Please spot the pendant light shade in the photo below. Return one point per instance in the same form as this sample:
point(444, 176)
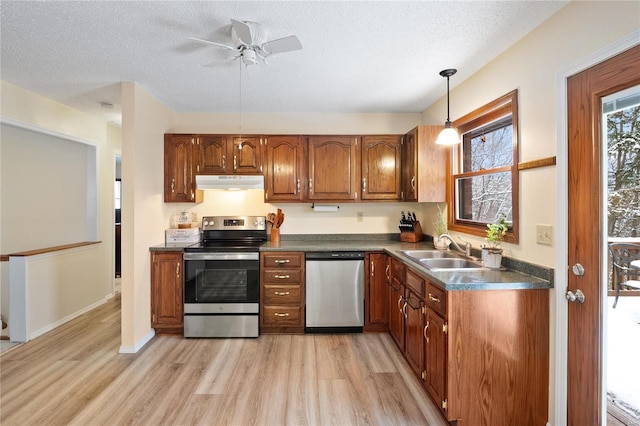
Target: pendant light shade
point(448, 136)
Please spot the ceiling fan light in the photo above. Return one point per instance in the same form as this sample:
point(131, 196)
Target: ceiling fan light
point(448, 136)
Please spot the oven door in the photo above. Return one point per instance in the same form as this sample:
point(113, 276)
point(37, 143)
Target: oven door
point(221, 278)
point(221, 294)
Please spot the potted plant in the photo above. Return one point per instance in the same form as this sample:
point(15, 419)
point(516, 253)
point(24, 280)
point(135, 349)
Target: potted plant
point(492, 254)
point(440, 226)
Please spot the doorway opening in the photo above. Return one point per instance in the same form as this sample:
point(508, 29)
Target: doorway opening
point(117, 203)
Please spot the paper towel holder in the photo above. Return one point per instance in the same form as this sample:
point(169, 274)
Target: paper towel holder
point(325, 207)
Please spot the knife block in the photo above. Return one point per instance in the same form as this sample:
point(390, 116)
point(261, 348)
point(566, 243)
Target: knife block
point(275, 235)
point(412, 236)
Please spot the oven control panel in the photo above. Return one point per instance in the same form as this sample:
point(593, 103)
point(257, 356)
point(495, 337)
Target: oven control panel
point(219, 223)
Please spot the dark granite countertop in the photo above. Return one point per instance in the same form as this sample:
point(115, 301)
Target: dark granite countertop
point(515, 274)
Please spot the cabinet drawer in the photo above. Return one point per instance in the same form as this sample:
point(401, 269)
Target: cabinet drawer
point(282, 260)
point(284, 276)
point(437, 299)
point(281, 295)
point(415, 282)
point(282, 316)
point(397, 270)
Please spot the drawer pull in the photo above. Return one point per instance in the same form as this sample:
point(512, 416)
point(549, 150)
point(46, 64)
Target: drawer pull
point(281, 261)
point(282, 277)
point(278, 314)
point(281, 293)
point(433, 298)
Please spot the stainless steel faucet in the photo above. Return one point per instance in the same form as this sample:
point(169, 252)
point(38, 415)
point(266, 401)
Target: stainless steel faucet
point(467, 245)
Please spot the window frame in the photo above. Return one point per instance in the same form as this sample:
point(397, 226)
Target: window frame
point(484, 116)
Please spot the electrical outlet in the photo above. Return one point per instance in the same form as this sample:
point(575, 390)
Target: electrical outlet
point(544, 234)
point(359, 216)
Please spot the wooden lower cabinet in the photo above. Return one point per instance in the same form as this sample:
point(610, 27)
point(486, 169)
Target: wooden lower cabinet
point(167, 304)
point(376, 308)
point(481, 355)
point(282, 292)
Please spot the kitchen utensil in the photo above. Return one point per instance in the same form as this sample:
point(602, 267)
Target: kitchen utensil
point(271, 217)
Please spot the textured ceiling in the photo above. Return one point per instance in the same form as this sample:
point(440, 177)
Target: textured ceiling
point(357, 56)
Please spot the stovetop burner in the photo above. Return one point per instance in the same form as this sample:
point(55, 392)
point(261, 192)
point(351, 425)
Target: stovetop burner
point(231, 233)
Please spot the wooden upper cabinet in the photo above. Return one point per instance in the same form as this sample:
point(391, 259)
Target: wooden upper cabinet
point(179, 172)
point(424, 165)
point(284, 168)
point(229, 154)
point(247, 154)
point(381, 159)
point(213, 154)
point(333, 168)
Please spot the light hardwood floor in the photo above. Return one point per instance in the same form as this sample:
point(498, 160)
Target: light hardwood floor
point(74, 375)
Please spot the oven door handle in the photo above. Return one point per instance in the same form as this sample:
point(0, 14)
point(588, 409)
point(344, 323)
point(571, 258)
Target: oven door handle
point(222, 256)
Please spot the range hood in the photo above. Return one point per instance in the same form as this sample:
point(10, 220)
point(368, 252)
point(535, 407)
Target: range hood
point(229, 182)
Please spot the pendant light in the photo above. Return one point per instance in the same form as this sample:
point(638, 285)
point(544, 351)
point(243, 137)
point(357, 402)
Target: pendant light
point(449, 135)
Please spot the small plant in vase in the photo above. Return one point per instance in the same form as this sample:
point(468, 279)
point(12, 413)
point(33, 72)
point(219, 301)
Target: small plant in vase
point(440, 226)
point(492, 254)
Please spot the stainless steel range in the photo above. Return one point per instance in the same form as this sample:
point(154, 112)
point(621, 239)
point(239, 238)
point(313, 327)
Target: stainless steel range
point(222, 278)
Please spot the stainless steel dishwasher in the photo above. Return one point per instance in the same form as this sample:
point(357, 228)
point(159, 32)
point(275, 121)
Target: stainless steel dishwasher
point(334, 292)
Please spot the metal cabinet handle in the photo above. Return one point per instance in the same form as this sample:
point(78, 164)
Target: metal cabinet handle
point(235, 163)
point(298, 187)
point(278, 314)
point(282, 277)
point(364, 184)
point(404, 310)
point(224, 161)
point(433, 298)
point(424, 332)
point(311, 185)
point(386, 272)
point(192, 194)
point(280, 261)
point(413, 184)
point(281, 293)
point(372, 268)
point(178, 269)
point(399, 300)
point(173, 185)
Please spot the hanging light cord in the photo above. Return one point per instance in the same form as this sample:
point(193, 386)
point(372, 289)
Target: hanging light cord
point(448, 119)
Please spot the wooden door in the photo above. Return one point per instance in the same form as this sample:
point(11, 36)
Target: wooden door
point(396, 316)
point(333, 168)
point(381, 167)
point(435, 353)
point(166, 291)
point(414, 325)
point(214, 153)
point(377, 292)
point(284, 168)
point(585, 232)
point(247, 154)
point(179, 176)
point(409, 166)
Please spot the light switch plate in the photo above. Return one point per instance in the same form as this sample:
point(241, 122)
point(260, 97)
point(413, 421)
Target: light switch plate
point(544, 234)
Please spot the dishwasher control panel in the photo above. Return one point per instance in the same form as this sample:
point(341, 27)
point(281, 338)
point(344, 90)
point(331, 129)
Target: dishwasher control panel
point(333, 255)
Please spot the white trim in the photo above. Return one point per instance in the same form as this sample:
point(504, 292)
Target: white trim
point(561, 270)
point(69, 317)
point(134, 349)
point(35, 128)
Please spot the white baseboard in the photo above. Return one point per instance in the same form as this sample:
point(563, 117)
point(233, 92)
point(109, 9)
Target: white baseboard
point(68, 318)
point(134, 349)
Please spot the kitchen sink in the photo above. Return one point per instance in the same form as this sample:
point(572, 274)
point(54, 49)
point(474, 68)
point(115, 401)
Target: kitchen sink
point(449, 264)
point(428, 254)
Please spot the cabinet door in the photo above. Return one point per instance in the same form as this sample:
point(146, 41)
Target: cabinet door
point(247, 155)
point(381, 166)
point(167, 305)
point(333, 168)
point(284, 180)
point(213, 154)
point(414, 326)
point(179, 175)
point(377, 292)
point(396, 312)
point(435, 353)
point(424, 165)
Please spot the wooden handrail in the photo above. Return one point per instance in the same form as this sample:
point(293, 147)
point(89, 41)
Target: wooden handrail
point(5, 257)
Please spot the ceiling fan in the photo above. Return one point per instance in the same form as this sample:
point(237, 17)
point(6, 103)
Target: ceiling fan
point(249, 44)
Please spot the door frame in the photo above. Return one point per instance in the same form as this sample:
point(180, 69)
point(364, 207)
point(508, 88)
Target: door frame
point(559, 356)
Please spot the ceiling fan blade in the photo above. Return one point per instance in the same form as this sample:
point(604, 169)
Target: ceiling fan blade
point(243, 31)
point(213, 43)
point(282, 45)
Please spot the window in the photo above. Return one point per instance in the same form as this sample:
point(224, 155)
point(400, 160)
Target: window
point(484, 182)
